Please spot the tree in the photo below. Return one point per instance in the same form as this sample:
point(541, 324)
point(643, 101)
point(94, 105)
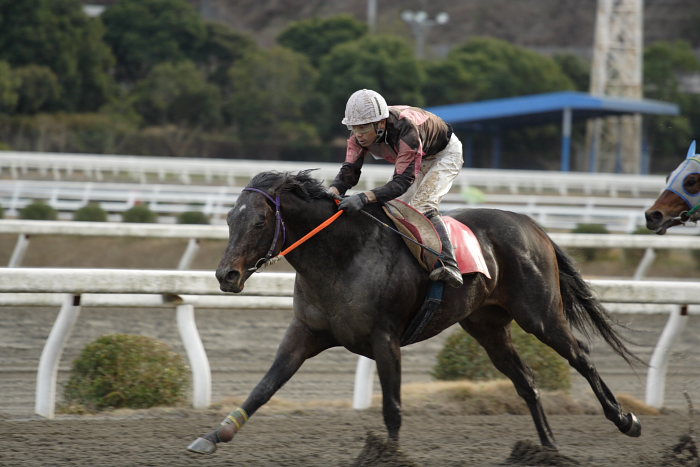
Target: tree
point(222, 48)
point(9, 85)
point(315, 37)
point(268, 95)
point(448, 82)
point(500, 69)
point(178, 93)
point(143, 33)
point(38, 88)
point(58, 35)
point(385, 64)
point(664, 64)
point(577, 69)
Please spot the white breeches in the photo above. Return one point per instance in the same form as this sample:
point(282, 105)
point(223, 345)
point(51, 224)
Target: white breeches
point(435, 178)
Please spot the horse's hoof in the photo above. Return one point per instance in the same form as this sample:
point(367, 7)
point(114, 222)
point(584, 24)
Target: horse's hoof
point(202, 446)
point(635, 428)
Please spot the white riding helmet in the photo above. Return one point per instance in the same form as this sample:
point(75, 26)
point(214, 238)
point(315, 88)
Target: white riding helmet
point(365, 106)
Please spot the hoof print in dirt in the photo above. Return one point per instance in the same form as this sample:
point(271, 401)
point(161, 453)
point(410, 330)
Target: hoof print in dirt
point(683, 454)
point(528, 453)
point(380, 452)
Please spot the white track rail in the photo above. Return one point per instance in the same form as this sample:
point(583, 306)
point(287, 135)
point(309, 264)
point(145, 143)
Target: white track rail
point(183, 290)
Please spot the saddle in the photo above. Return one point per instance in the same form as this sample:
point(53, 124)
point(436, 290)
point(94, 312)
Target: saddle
point(415, 225)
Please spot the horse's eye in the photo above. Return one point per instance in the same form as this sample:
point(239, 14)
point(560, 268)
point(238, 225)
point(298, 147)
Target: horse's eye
point(691, 185)
point(259, 224)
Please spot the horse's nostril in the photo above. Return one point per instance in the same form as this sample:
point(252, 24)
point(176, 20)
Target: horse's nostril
point(231, 276)
point(653, 216)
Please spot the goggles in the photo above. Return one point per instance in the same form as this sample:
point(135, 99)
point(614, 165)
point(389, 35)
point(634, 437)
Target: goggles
point(362, 129)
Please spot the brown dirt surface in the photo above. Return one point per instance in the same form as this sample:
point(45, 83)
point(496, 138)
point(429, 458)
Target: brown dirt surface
point(310, 421)
point(337, 437)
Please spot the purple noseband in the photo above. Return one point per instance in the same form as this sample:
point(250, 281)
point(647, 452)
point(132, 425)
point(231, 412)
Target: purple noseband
point(279, 226)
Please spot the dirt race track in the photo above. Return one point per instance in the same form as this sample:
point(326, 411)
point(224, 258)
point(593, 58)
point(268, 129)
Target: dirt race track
point(310, 422)
point(328, 438)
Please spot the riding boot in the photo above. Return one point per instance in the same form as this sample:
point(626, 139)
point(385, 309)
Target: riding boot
point(447, 269)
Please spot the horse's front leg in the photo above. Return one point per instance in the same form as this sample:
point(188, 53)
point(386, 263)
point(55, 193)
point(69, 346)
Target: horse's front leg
point(387, 355)
point(299, 343)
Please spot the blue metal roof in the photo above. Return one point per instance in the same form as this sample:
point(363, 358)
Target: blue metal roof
point(546, 108)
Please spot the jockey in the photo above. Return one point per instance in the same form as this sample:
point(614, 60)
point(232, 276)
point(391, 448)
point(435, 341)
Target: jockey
point(426, 154)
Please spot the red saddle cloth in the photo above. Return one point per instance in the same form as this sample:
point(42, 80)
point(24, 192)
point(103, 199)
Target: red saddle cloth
point(414, 224)
point(467, 248)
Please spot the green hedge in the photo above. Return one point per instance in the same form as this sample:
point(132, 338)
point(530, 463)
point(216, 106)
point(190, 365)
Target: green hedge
point(140, 214)
point(92, 212)
point(38, 211)
point(126, 371)
point(192, 217)
point(462, 357)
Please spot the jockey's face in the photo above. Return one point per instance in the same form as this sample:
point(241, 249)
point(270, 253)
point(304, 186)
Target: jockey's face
point(365, 134)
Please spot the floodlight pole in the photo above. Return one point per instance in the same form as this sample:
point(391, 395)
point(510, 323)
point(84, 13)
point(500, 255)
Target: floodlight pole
point(421, 24)
point(372, 16)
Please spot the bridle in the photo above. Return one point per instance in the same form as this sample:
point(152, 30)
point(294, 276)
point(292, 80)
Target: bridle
point(279, 227)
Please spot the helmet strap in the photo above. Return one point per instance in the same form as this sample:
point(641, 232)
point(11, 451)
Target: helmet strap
point(380, 129)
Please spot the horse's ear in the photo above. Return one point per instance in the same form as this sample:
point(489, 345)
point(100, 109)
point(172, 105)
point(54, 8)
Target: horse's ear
point(691, 150)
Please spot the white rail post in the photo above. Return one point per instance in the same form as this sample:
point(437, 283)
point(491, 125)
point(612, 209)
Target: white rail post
point(656, 377)
point(644, 264)
point(188, 255)
point(47, 373)
point(197, 356)
point(364, 377)
point(19, 251)
point(201, 374)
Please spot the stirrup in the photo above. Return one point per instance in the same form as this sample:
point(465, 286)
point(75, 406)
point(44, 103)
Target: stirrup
point(452, 277)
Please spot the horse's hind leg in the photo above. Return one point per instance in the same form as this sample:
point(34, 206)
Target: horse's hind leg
point(554, 331)
point(298, 344)
point(489, 326)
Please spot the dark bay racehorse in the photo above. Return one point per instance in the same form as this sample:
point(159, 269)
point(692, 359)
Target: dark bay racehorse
point(679, 202)
point(358, 286)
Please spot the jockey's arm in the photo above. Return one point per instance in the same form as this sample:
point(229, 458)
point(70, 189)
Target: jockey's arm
point(350, 171)
point(408, 155)
point(347, 177)
point(395, 187)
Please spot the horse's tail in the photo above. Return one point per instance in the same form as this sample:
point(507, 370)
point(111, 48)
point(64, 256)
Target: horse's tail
point(583, 310)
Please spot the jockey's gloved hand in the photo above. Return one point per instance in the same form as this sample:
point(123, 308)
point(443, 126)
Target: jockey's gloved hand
point(353, 203)
point(333, 192)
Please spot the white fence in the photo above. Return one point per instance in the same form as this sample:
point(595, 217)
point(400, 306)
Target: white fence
point(553, 211)
point(233, 172)
point(186, 289)
point(25, 229)
point(170, 186)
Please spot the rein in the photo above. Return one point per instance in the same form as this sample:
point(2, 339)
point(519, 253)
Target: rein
point(269, 260)
point(425, 247)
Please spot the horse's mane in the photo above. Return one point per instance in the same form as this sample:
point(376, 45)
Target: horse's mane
point(302, 184)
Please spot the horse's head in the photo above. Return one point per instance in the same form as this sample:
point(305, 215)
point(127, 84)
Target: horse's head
point(251, 227)
point(680, 200)
point(257, 231)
